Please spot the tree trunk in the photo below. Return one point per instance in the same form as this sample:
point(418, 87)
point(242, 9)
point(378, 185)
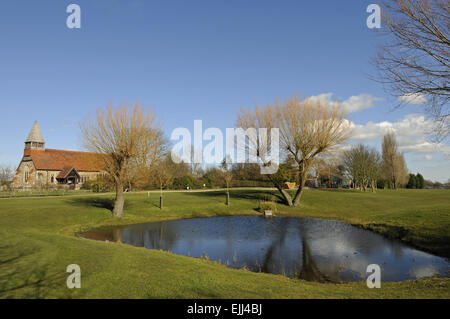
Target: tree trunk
point(298, 196)
point(161, 198)
point(118, 204)
point(287, 198)
point(301, 185)
point(228, 198)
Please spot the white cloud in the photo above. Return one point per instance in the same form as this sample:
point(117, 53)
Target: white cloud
point(360, 102)
point(423, 158)
point(354, 103)
point(411, 132)
point(441, 164)
point(413, 98)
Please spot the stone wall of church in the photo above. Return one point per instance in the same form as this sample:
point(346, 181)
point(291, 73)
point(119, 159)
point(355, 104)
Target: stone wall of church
point(27, 177)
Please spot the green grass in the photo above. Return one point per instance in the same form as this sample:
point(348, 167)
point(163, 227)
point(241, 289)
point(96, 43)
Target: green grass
point(36, 193)
point(37, 243)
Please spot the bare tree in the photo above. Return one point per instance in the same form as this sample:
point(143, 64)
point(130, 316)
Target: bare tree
point(402, 171)
point(394, 166)
point(163, 174)
point(325, 164)
point(227, 175)
point(374, 163)
point(349, 161)
point(414, 61)
point(362, 164)
point(6, 175)
point(127, 138)
point(196, 168)
point(307, 128)
point(146, 177)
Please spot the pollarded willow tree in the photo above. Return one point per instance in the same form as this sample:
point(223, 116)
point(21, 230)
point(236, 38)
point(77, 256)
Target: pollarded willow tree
point(307, 128)
point(127, 138)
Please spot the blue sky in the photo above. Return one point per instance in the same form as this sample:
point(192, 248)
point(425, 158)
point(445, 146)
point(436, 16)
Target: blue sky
point(194, 60)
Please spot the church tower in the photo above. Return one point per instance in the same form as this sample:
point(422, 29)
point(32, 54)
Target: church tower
point(35, 141)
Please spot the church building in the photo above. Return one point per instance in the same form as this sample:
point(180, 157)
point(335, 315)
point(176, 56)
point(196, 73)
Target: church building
point(41, 167)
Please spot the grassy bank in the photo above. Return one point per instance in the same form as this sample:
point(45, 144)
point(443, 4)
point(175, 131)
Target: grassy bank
point(38, 193)
point(37, 242)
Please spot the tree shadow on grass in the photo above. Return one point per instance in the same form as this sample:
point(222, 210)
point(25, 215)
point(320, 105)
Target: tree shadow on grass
point(102, 202)
point(21, 275)
point(99, 202)
point(250, 194)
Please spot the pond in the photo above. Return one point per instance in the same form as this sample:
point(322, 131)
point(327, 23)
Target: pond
point(307, 248)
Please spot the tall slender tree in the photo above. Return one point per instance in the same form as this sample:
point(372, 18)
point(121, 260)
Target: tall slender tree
point(394, 165)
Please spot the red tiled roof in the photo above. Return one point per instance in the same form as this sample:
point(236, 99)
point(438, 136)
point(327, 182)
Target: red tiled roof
point(66, 171)
point(58, 160)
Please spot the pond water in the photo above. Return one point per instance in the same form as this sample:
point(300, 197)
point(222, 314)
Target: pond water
point(307, 248)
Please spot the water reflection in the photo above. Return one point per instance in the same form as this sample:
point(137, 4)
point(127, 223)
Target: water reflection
point(306, 248)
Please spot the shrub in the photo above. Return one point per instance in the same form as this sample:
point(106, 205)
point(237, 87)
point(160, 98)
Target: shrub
point(264, 205)
point(87, 185)
point(186, 181)
point(420, 181)
point(412, 183)
point(96, 186)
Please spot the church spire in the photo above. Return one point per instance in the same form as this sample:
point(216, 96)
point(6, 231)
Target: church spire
point(35, 139)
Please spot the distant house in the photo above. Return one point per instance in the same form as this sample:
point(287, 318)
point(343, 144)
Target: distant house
point(312, 182)
point(337, 181)
point(324, 181)
point(54, 168)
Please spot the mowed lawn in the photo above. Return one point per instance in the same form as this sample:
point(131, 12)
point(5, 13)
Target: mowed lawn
point(37, 242)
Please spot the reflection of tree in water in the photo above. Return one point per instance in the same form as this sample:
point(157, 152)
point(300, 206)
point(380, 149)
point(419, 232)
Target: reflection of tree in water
point(161, 237)
point(309, 270)
point(117, 235)
point(156, 237)
point(396, 249)
point(228, 240)
point(268, 261)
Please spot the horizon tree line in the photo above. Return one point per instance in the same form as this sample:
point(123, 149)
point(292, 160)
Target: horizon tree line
point(366, 166)
point(135, 151)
